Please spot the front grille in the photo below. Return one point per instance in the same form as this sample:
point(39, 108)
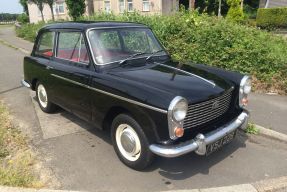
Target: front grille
point(201, 113)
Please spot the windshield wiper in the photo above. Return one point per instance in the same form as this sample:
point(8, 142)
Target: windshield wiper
point(154, 53)
point(130, 57)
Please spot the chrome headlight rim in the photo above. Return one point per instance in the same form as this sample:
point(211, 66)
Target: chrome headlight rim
point(245, 81)
point(244, 89)
point(173, 122)
point(173, 106)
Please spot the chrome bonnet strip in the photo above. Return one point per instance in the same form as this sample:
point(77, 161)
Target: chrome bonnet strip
point(188, 73)
point(111, 94)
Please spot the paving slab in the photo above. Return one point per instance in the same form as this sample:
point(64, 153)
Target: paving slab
point(269, 111)
point(8, 34)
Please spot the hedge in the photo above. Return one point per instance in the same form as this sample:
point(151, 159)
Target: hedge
point(272, 17)
point(188, 36)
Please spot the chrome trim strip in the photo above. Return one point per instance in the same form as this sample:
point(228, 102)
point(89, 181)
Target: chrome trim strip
point(198, 144)
point(188, 73)
point(112, 95)
point(25, 83)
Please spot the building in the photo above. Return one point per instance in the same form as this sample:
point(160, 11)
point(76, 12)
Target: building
point(272, 3)
point(109, 6)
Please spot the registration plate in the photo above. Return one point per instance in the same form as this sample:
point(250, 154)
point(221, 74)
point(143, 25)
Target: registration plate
point(219, 143)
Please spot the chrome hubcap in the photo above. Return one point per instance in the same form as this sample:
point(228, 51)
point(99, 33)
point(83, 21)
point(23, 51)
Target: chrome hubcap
point(42, 96)
point(128, 142)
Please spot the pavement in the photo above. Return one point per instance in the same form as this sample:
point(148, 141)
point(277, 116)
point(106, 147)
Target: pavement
point(82, 157)
point(269, 111)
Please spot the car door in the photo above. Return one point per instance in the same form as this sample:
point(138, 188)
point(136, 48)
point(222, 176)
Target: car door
point(72, 70)
point(41, 57)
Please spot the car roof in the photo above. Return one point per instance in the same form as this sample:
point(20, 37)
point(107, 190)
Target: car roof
point(83, 25)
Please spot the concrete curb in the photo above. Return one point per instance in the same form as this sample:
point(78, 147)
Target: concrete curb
point(269, 185)
point(271, 134)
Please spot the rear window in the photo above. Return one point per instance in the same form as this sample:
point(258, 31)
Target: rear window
point(46, 44)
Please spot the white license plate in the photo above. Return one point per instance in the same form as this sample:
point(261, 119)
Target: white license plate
point(220, 143)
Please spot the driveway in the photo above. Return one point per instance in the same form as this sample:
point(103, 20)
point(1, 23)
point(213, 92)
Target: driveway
point(82, 157)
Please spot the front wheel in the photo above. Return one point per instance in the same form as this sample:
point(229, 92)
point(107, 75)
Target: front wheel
point(130, 142)
point(43, 99)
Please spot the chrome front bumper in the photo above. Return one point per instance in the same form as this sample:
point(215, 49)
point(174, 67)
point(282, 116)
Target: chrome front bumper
point(25, 83)
point(198, 144)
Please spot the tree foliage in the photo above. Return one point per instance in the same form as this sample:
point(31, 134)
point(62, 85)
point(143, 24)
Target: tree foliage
point(76, 8)
point(8, 17)
point(24, 4)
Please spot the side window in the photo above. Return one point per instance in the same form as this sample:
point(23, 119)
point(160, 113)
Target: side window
point(71, 46)
point(46, 44)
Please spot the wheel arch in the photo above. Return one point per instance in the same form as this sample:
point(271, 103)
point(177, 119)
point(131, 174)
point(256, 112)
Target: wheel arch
point(140, 115)
point(34, 83)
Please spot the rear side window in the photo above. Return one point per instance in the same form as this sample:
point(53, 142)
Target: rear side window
point(46, 44)
point(71, 46)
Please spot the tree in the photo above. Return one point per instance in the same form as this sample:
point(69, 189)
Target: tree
point(76, 8)
point(24, 4)
point(40, 5)
point(51, 3)
point(235, 12)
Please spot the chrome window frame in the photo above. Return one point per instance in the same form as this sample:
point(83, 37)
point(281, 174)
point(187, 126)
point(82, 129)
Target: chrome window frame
point(56, 46)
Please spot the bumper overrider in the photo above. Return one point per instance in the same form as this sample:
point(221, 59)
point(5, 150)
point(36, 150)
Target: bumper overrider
point(199, 143)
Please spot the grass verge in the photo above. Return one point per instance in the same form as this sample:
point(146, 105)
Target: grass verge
point(252, 129)
point(16, 158)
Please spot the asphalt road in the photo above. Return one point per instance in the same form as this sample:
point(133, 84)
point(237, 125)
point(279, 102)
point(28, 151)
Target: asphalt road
point(82, 157)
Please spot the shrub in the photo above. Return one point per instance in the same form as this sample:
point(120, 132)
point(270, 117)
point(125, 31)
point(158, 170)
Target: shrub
point(23, 18)
point(76, 8)
point(235, 13)
point(29, 31)
point(272, 18)
point(188, 36)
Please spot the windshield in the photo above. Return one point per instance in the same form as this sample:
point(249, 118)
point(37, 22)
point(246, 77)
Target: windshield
point(110, 45)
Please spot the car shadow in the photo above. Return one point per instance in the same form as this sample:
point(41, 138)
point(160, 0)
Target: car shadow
point(191, 164)
point(178, 168)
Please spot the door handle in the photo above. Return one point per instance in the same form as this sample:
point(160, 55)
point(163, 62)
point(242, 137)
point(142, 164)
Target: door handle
point(49, 67)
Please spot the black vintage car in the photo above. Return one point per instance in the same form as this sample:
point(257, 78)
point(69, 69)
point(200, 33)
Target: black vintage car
point(117, 76)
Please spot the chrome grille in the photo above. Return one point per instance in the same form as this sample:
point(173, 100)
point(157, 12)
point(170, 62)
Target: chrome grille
point(206, 111)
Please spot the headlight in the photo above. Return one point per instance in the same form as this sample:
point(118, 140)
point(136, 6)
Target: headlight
point(179, 110)
point(244, 90)
point(176, 113)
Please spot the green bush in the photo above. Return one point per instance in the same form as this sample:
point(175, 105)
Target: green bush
point(23, 18)
point(188, 36)
point(29, 31)
point(272, 18)
point(235, 13)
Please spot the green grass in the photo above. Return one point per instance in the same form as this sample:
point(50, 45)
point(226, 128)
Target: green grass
point(16, 158)
point(252, 129)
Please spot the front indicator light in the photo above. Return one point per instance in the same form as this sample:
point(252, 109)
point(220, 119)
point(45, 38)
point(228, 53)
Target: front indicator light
point(244, 101)
point(179, 131)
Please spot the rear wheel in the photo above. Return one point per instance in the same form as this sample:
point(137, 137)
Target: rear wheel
point(43, 99)
point(130, 142)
